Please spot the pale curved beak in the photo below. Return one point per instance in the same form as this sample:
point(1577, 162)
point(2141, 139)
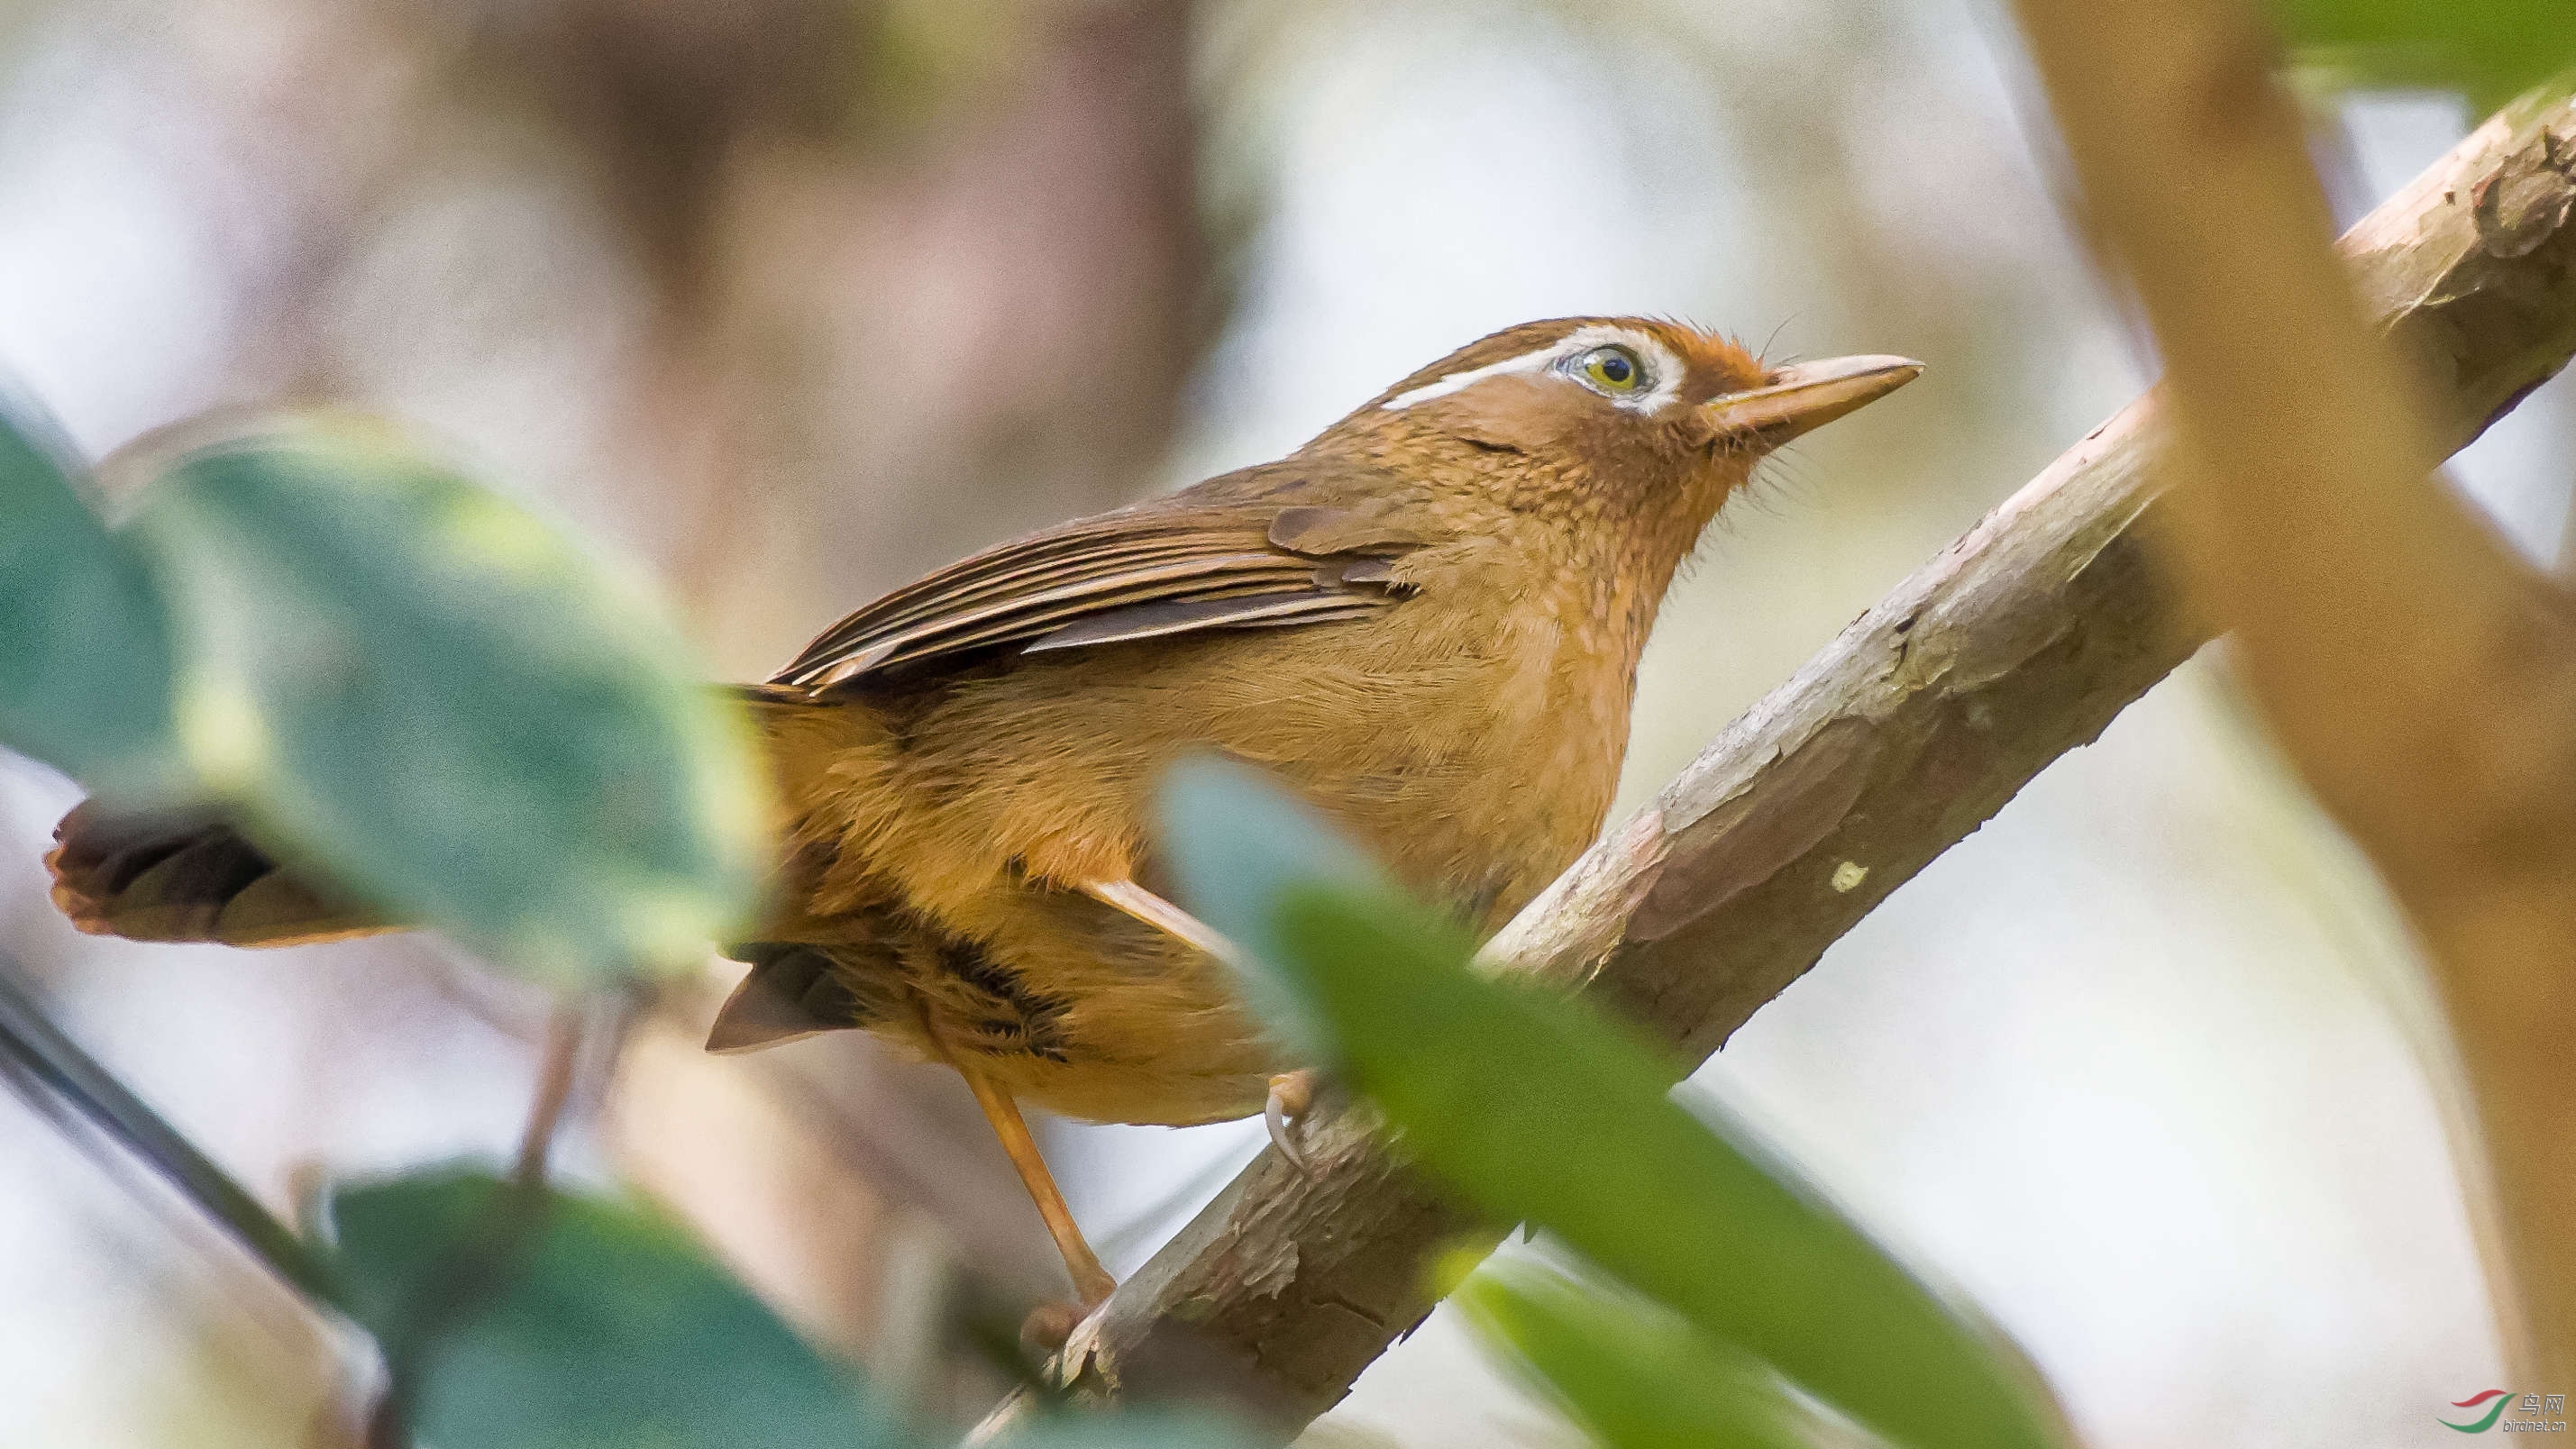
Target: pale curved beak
point(1804, 397)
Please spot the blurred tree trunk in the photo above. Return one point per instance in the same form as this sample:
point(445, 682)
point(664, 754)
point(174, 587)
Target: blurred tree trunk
point(2420, 674)
point(922, 279)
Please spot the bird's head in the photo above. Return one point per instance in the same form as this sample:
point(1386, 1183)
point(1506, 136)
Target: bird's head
point(1643, 416)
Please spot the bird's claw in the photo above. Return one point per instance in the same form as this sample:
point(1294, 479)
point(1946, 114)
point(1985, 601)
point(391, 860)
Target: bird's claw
point(1292, 1094)
point(1049, 1326)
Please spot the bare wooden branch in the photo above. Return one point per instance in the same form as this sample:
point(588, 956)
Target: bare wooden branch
point(2018, 643)
point(2418, 672)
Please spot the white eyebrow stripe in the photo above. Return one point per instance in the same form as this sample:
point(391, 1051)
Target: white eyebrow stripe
point(1538, 361)
point(1667, 369)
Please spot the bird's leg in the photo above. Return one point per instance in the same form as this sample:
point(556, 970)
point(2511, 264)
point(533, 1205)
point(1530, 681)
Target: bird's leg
point(1291, 1093)
point(1091, 1282)
point(1162, 915)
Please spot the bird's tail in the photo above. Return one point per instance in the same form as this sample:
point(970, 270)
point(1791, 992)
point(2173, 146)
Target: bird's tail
point(190, 876)
point(187, 876)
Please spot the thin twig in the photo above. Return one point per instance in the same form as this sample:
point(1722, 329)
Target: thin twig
point(555, 1071)
point(54, 1072)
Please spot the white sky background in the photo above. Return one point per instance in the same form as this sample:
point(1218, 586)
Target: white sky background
point(2130, 1065)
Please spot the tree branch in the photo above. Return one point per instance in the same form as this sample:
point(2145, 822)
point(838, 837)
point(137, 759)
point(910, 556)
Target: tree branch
point(62, 1080)
point(2420, 674)
point(2018, 643)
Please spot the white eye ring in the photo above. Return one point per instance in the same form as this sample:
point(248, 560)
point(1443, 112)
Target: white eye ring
point(1612, 369)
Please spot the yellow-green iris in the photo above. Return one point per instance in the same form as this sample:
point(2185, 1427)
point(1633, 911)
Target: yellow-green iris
point(1612, 369)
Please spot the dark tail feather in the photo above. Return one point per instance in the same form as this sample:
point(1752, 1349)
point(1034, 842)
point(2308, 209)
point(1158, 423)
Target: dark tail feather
point(792, 991)
point(187, 877)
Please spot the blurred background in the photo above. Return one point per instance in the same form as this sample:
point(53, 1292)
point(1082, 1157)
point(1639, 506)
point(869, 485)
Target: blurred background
point(790, 300)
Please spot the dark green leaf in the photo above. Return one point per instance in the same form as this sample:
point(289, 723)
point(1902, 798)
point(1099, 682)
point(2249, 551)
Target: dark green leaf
point(2487, 48)
point(1539, 1111)
point(85, 661)
point(584, 1324)
point(422, 690)
point(1634, 1375)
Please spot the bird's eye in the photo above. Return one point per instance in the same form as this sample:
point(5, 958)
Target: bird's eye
point(1613, 369)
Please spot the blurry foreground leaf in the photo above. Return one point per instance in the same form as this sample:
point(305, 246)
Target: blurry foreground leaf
point(84, 640)
point(2489, 49)
point(1232, 870)
point(586, 1324)
point(1539, 1111)
point(412, 682)
point(1633, 1375)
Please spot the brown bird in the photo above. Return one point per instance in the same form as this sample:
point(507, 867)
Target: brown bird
point(1427, 620)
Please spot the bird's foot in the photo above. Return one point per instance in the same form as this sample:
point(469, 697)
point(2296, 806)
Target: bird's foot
point(1292, 1095)
point(1050, 1326)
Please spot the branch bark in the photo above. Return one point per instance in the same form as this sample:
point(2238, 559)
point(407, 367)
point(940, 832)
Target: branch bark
point(2018, 643)
point(2420, 674)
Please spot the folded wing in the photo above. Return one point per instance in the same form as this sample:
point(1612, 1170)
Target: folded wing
point(1172, 566)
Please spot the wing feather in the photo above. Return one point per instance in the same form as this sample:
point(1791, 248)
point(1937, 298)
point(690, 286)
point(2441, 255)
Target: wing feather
point(1179, 616)
point(1032, 622)
point(1170, 566)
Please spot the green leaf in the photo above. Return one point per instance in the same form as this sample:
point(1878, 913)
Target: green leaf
point(1634, 1375)
point(85, 659)
point(2487, 48)
point(1537, 1110)
point(419, 688)
point(1233, 876)
point(584, 1323)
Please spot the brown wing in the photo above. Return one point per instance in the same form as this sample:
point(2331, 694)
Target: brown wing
point(1196, 560)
